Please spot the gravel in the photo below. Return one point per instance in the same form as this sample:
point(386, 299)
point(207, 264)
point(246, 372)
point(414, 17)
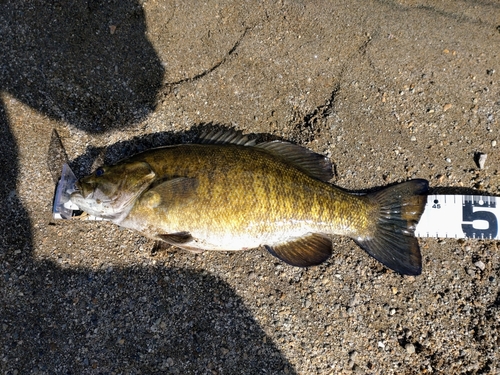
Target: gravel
point(389, 90)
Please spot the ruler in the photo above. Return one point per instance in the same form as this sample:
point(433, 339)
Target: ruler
point(460, 216)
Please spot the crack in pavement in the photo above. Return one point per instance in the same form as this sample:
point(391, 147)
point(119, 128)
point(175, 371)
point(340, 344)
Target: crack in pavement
point(310, 124)
point(323, 111)
point(458, 17)
point(167, 87)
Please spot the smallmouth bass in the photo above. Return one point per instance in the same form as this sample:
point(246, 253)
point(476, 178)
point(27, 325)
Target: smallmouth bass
point(229, 193)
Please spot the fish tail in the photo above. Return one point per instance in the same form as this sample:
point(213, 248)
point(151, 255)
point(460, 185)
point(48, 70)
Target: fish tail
point(393, 242)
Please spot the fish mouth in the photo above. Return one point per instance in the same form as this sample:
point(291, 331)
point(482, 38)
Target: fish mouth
point(87, 201)
point(90, 192)
point(76, 197)
point(83, 189)
point(75, 193)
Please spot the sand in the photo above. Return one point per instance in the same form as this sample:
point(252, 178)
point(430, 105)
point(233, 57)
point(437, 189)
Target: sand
point(388, 90)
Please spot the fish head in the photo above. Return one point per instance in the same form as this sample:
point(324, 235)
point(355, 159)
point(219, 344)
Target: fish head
point(111, 191)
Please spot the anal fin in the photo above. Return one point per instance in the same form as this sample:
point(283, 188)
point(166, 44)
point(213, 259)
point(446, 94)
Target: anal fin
point(306, 251)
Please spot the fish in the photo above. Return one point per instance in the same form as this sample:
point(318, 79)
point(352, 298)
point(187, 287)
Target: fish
point(228, 192)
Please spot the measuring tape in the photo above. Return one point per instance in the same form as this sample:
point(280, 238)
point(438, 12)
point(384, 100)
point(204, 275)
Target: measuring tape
point(460, 216)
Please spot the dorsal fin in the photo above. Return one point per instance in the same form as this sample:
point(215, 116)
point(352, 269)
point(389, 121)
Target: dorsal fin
point(313, 164)
point(225, 137)
point(309, 162)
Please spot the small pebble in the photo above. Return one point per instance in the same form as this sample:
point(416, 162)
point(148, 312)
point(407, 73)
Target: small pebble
point(493, 143)
point(410, 348)
point(448, 160)
point(480, 265)
point(413, 138)
point(447, 106)
point(481, 160)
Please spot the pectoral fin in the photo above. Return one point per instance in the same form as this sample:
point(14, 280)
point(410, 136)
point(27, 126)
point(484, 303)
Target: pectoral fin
point(176, 188)
point(174, 191)
point(310, 250)
point(176, 239)
point(181, 240)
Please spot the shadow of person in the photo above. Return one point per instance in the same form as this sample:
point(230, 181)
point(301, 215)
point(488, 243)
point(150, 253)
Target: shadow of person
point(185, 322)
point(87, 63)
point(90, 65)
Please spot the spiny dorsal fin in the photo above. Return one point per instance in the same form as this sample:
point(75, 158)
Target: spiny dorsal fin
point(310, 250)
point(225, 137)
point(313, 164)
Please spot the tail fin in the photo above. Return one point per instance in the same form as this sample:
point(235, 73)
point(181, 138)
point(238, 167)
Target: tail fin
point(393, 243)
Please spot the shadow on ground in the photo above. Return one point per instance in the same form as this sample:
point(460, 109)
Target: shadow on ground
point(87, 63)
point(131, 320)
point(90, 65)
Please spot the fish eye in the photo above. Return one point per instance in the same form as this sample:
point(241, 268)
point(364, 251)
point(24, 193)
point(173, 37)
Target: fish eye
point(99, 172)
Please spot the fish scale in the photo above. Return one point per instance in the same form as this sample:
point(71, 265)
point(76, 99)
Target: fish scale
point(227, 204)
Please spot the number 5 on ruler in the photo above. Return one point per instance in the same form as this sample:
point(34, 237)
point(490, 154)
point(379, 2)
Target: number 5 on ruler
point(474, 216)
